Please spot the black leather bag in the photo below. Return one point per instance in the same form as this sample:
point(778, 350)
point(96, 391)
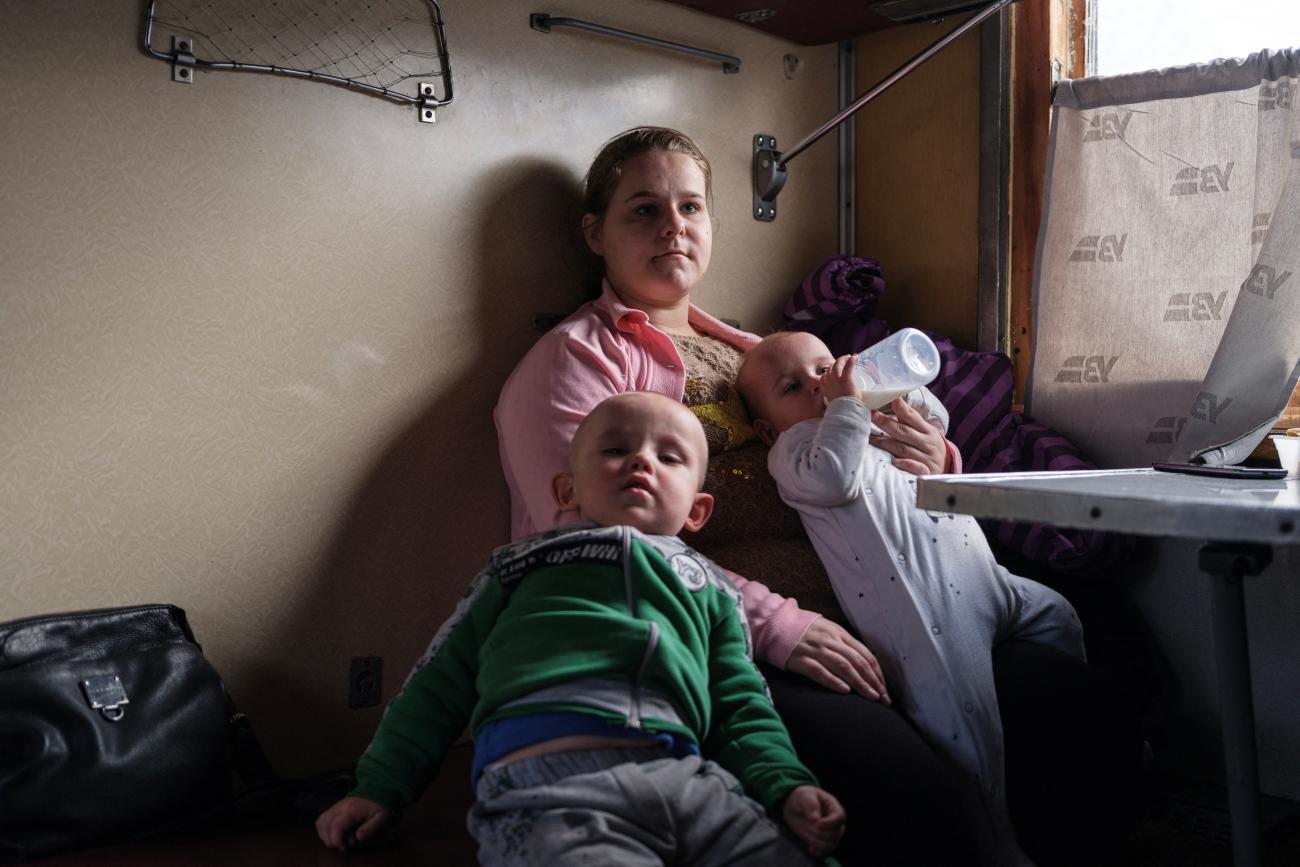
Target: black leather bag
point(112, 725)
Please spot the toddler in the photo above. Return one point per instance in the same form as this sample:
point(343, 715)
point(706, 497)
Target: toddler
point(594, 663)
point(922, 588)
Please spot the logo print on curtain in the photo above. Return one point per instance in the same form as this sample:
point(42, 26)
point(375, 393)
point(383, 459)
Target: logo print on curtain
point(1096, 248)
point(1275, 95)
point(1087, 368)
point(1108, 126)
point(1210, 179)
point(1167, 430)
point(1264, 281)
point(1195, 307)
point(1259, 228)
point(1209, 406)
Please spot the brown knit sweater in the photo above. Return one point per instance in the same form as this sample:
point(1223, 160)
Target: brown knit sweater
point(752, 532)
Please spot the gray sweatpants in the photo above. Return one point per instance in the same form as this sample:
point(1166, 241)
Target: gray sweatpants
point(628, 807)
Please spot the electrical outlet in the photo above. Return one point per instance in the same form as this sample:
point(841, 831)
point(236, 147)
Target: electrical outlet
point(365, 681)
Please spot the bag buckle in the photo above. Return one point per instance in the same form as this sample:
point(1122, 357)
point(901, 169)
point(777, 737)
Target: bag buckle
point(105, 694)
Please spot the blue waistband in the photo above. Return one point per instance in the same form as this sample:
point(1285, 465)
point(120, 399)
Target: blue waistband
point(504, 736)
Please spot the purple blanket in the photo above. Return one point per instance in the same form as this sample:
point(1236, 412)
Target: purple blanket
point(837, 302)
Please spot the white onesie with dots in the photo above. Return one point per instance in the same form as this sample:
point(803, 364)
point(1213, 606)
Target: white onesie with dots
point(924, 593)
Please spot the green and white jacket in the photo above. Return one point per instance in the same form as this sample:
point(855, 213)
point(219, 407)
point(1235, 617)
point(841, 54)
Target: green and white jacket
point(636, 629)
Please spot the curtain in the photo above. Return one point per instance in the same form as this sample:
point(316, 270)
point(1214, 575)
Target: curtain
point(1167, 284)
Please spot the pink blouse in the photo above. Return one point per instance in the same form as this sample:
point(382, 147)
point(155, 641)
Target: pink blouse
point(606, 348)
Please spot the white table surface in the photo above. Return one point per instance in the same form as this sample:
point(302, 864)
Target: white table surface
point(1154, 503)
point(1142, 501)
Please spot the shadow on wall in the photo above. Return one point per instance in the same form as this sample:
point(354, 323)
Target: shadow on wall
point(434, 504)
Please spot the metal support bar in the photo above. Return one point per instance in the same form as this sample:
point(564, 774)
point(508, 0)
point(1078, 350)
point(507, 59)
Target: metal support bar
point(1227, 565)
point(993, 267)
point(893, 77)
point(783, 159)
point(848, 154)
point(542, 23)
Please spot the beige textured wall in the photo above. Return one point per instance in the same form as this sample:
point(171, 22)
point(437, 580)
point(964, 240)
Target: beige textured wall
point(918, 178)
point(252, 329)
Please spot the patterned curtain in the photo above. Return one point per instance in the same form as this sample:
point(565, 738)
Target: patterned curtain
point(1167, 289)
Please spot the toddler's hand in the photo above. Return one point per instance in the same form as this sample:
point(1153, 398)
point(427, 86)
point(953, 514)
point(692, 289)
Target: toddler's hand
point(816, 817)
point(364, 815)
point(838, 380)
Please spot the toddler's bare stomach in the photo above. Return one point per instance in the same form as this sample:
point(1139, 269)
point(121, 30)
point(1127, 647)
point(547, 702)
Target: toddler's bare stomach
point(569, 743)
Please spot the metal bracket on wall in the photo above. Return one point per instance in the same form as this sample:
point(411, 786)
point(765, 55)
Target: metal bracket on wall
point(542, 23)
point(769, 177)
point(428, 99)
point(182, 60)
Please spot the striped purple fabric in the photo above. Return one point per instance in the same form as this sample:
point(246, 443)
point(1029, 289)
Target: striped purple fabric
point(843, 284)
point(837, 302)
point(975, 387)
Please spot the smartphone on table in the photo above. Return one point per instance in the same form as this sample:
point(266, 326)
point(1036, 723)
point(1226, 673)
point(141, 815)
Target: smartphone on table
point(1228, 472)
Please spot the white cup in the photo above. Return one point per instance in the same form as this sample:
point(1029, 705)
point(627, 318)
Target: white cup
point(1288, 454)
point(904, 360)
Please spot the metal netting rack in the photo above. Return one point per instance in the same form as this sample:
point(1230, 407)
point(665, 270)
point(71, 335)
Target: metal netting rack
point(380, 47)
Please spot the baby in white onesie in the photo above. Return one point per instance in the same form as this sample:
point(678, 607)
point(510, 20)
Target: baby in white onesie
point(922, 588)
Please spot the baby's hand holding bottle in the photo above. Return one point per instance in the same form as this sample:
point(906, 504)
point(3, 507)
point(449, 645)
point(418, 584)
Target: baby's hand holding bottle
point(838, 380)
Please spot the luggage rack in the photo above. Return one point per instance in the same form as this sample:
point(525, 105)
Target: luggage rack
point(284, 47)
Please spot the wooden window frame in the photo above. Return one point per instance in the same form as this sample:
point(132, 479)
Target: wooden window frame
point(1048, 40)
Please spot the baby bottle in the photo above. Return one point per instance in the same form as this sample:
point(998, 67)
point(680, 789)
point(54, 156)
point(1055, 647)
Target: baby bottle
point(904, 360)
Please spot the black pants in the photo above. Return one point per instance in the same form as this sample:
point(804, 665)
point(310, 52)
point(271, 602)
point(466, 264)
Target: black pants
point(1073, 756)
point(901, 799)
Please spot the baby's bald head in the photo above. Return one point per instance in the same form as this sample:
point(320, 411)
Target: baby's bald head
point(638, 459)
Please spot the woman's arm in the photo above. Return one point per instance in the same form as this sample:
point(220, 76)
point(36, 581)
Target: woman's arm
point(776, 623)
point(808, 644)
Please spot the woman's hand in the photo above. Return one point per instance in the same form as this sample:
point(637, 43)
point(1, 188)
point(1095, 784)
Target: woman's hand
point(917, 446)
point(816, 818)
point(829, 655)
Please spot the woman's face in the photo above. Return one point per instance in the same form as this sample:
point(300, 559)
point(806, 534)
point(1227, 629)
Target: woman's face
point(655, 236)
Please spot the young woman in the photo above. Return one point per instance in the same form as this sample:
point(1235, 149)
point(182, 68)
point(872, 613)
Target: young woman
point(647, 202)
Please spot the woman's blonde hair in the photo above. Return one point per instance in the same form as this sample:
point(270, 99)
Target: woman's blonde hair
point(607, 167)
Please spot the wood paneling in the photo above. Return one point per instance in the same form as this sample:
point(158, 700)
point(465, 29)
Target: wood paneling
point(918, 178)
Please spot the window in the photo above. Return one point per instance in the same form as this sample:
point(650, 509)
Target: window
point(1136, 35)
point(1073, 38)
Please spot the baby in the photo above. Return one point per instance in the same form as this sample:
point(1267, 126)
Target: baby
point(594, 663)
point(921, 588)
